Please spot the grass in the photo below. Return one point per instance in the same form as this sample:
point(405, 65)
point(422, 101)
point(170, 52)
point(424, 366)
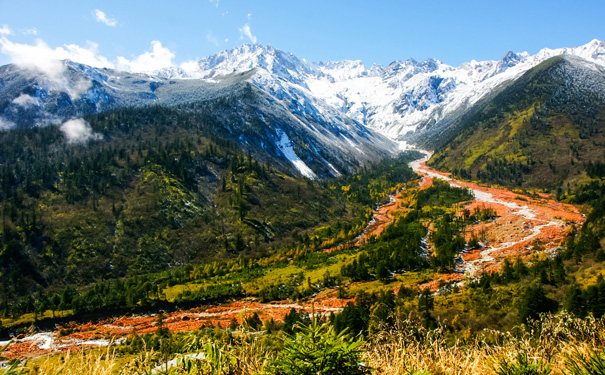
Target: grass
point(171, 293)
point(554, 345)
point(29, 318)
point(276, 275)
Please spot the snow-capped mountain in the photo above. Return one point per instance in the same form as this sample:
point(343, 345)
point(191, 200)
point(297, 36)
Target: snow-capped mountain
point(397, 99)
point(340, 106)
point(282, 121)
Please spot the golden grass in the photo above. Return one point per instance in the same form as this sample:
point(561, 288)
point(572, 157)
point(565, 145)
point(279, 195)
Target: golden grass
point(553, 339)
point(405, 348)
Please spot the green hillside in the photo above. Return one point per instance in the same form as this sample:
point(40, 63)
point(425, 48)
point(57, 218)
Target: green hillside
point(160, 190)
point(542, 131)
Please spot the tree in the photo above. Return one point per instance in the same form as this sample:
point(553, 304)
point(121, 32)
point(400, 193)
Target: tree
point(425, 306)
point(382, 272)
point(254, 322)
point(534, 302)
point(161, 329)
point(318, 349)
point(574, 302)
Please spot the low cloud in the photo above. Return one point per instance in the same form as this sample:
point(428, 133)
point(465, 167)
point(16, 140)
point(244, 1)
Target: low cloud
point(102, 17)
point(25, 100)
point(214, 2)
point(39, 57)
point(6, 124)
point(245, 31)
point(47, 60)
point(160, 57)
point(32, 31)
point(78, 131)
point(190, 66)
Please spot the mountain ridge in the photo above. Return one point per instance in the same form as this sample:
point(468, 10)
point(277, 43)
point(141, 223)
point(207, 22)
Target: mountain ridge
point(542, 130)
point(398, 98)
point(402, 100)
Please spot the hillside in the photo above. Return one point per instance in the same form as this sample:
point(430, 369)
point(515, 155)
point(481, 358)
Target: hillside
point(541, 131)
point(151, 189)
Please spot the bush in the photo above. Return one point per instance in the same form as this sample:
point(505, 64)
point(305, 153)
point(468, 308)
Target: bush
point(317, 349)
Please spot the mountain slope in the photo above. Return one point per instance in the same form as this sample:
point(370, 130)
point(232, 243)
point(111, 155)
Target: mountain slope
point(157, 188)
point(306, 137)
point(406, 100)
point(540, 131)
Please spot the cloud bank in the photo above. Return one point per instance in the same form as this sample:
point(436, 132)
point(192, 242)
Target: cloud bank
point(41, 58)
point(78, 131)
point(160, 57)
point(47, 60)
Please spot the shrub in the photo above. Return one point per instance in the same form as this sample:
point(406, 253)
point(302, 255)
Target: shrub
point(317, 349)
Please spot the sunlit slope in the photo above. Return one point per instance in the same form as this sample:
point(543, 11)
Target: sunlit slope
point(541, 131)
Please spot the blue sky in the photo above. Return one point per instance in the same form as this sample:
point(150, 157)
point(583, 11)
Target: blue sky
point(129, 33)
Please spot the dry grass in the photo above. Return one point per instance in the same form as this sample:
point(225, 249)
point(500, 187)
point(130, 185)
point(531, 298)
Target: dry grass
point(93, 362)
point(407, 348)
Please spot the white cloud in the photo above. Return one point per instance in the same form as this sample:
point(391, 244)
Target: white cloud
point(226, 40)
point(5, 124)
point(39, 57)
point(78, 131)
point(101, 17)
point(5, 30)
point(211, 38)
point(159, 58)
point(245, 31)
point(25, 100)
point(214, 2)
point(249, 16)
point(32, 31)
point(88, 55)
point(190, 66)
point(42, 58)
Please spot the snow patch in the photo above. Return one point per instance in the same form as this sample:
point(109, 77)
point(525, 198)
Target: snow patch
point(285, 145)
point(334, 170)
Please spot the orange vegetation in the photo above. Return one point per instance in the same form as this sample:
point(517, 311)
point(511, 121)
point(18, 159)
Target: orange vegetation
point(523, 226)
point(75, 336)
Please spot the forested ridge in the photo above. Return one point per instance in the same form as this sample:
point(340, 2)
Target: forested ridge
point(157, 192)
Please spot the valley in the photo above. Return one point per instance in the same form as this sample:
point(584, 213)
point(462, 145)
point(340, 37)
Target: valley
point(224, 211)
point(523, 226)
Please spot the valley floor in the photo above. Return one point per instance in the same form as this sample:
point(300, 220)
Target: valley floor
point(523, 226)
